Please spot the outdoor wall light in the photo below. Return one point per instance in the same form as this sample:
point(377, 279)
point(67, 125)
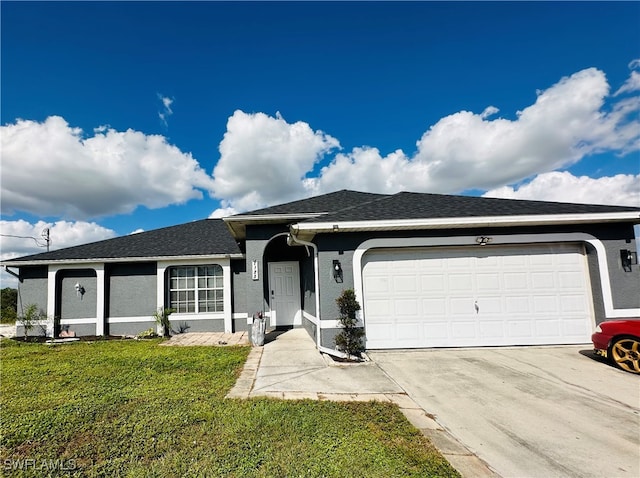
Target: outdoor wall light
point(337, 270)
point(627, 259)
point(483, 240)
point(335, 228)
point(79, 290)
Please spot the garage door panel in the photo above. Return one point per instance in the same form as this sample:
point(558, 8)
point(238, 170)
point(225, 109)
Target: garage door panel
point(436, 331)
point(489, 305)
point(571, 280)
point(572, 304)
point(542, 280)
point(517, 305)
point(515, 281)
point(524, 294)
point(463, 330)
point(519, 329)
point(461, 306)
point(434, 307)
point(432, 283)
point(548, 328)
point(459, 262)
point(488, 282)
point(379, 308)
point(403, 284)
point(460, 282)
point(408, 331)
point(377, 285)
point(406, 307)
point(491, 329)
point(545, 304)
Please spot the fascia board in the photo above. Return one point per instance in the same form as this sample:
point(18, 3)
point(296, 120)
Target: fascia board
point(113, 260)
point(462, 222)
point(271, 217)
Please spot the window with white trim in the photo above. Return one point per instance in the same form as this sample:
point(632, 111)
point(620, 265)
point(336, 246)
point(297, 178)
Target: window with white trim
point(196, 289)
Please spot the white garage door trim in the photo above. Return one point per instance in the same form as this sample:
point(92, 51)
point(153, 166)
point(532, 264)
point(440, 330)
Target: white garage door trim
point(477, 296)
point(610, 311)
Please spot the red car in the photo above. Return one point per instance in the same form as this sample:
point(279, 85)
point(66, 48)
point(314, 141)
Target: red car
point(619, 342)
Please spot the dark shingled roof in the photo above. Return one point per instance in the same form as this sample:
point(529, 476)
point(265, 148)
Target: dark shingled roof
point(204, 237)
point(319, 204)
point(408, 205)
point(212, 236)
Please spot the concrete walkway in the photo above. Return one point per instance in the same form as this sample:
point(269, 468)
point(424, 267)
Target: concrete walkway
point(7, 330)
point(218, 339)
point(289, 367)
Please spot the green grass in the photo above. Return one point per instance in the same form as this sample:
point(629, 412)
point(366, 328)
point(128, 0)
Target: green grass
point(129, 408)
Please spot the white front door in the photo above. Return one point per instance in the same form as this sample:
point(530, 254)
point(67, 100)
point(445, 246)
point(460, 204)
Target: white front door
point(284, 290)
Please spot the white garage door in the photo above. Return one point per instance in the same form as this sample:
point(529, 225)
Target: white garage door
point(492, 295)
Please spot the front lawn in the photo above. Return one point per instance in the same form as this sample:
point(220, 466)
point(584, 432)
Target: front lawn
point(129, 408)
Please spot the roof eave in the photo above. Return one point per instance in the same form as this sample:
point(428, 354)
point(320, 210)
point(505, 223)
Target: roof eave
point(113, 260)
point(466, 222)
point(238, 224)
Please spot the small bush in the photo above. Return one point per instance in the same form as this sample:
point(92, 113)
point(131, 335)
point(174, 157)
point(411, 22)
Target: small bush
point(350, 339)
point(161, 316)
point(32, 315)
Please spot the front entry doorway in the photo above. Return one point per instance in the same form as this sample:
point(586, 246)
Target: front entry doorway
point(284, 291)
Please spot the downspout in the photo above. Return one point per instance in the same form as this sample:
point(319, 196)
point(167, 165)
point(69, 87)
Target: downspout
point(292, 240)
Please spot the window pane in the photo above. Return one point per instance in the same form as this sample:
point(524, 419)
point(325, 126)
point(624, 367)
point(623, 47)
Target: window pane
point(202, 283)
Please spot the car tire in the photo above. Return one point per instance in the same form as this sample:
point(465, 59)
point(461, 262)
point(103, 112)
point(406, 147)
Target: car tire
point(625, 353)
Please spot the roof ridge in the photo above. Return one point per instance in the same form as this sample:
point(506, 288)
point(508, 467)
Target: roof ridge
point(366, 203)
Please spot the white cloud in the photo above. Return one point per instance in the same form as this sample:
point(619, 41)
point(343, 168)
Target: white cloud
point(49, 169)
point(30, 239)
point(137, 231)
point(632, 84)
point(166, 108)
point(265, 159)
point(223, 212)
point(468, 151)
point(621, 190)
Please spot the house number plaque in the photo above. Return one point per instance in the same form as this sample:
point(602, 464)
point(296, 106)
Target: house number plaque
point(254, 270)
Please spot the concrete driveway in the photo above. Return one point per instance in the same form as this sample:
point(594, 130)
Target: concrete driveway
point(529, 411)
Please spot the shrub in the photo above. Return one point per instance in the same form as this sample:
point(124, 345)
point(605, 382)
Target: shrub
point(350, 339)
point(161, 316)
point(30, 318)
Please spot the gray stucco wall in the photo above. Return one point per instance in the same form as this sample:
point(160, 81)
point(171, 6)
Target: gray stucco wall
point(81, 330)
point(624, 285)
point(267, 243)
point(131, 289)
point(310, 327)
point(239, 279)
point(72, 305)
point(257, 239)
point(33, 288)
point(131, 328)
point(203, 325)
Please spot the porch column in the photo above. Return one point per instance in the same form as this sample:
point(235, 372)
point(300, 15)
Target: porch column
point(100, 298)
point(52, 271)
point(226, 278)
point(160, 288)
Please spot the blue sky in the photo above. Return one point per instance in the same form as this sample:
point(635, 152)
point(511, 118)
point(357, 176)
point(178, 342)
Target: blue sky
point(121, 116)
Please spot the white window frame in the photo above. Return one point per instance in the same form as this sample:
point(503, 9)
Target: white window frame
point(192, 274)
point(162, 287)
